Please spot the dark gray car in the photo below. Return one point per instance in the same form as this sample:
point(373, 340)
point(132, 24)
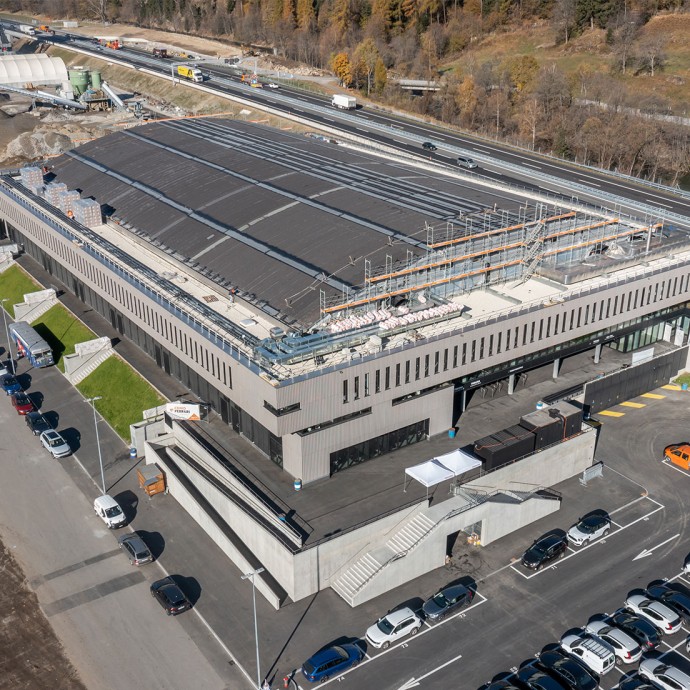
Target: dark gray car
point(135, 548)
point(37, 423)
point(447, 601)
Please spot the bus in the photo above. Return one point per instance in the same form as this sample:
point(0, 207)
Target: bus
point(31, 345)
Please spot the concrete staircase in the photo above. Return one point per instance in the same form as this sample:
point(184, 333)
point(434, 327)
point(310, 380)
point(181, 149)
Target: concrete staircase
point(89, 366)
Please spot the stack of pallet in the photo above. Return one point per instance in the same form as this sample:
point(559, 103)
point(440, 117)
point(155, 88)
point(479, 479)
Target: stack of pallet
point(32, 177)
point(66, 200)
point(52, 191)
point(87, 212)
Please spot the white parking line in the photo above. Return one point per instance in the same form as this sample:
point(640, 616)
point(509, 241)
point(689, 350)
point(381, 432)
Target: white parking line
point(407, 641)
point(599, 541)
point(669, 464)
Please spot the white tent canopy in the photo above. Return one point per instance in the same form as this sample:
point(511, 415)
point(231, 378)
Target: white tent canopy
point(444, 467)
point(19, 70)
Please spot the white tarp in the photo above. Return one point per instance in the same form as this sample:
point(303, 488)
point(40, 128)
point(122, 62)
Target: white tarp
point(444, 467)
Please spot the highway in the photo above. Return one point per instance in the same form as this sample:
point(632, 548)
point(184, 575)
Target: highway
point(537, 175)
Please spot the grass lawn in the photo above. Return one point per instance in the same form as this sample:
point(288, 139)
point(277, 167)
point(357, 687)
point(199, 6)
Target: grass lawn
point(683, 378)
point(62, 330)
point(124, 394)
point(14, 284)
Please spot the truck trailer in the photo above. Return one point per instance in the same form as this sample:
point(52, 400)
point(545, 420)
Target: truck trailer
point(160, 52)
point(27, 29)
point(344, 102)
point(191, 73)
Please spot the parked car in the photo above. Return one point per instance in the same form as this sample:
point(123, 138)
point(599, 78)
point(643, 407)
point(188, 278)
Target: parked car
point(393, 626)
point(568, 671)
point(9, 384)
point(635, 682)
point(37, 423)
point(686, 565)
point(664, 675)
point(170, 596)
point(675, 600)
point(109, 510)
point(428, 146)
point(135, 548)
point(446, 601)
point(589, 528)
point(22, 403)
point(594, 653)
point(55, 444)
point(534, 678)
point(678, 454)
point(665, 620)
point(641, 629)
point(500, 685)
point(625, 647)
point(331, 662)
point(544, 550)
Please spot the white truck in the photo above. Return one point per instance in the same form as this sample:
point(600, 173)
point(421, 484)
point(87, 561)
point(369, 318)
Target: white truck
point(27, 29)
point(344, 102)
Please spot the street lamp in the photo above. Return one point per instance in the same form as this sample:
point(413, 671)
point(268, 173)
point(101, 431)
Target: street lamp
point(98, 440)
point(252, 575)
point(7, 333)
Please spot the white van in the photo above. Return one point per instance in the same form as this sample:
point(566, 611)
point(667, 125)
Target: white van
point(595, 654)
point(464, 162)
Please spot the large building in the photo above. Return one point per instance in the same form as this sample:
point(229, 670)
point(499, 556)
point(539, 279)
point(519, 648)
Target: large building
point(334, 306)
point(331, 305)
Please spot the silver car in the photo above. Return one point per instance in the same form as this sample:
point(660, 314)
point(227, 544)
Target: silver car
point(135, 548)
point(664, 675)
point(55, 444)
point(659, 615)
point(626, 649)
point(589, 528)
point(392, 627)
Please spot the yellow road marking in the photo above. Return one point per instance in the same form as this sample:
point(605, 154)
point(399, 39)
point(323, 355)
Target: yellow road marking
point(672, 387)
point(653, 396)
point(632, 404)
point(611, 413)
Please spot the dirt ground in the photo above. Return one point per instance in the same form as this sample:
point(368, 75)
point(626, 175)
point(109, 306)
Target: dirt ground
point(32, 658)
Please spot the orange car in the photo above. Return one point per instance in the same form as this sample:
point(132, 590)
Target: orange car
point(678, 454)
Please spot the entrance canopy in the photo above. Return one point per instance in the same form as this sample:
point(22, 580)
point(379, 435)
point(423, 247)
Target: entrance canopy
point(443, 467)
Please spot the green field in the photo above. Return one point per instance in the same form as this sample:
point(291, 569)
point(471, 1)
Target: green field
point(124, 394)
point(62, 331)
point(14, 284)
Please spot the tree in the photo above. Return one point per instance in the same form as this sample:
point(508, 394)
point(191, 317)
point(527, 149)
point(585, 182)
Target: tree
point(367, 55)
point(623, 44)
point(342, 67)
point(651, 55)
point(522, 70)
point(305, 13)
point(564, 18)
point(380, 76)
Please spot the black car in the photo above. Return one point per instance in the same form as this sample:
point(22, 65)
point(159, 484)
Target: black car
point(567, 671)
point(545, 550)
point(675, 600)
point(446, 601)
point(37, 423)
point(428, 146)
point(635, 682)
point(646, 634)
point(536, 679)
point(500, 685)
point(170, 596)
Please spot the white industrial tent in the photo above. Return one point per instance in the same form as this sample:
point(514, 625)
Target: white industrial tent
point(20, 70)
point(443, 467)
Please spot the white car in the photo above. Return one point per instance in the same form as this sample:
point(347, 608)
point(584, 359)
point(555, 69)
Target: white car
point(664, 675)
point(659, 615)
point(55, 444)
point(626, 649)
point(109, 510)
point(589, 528)
point(392, 627)
point(273, 85)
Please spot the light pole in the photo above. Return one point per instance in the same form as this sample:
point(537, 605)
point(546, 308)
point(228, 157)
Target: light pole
point(252, 575)
point(98, 439)
point(7, 333)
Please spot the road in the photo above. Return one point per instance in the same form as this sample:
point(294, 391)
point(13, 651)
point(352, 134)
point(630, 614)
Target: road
point(553, 179)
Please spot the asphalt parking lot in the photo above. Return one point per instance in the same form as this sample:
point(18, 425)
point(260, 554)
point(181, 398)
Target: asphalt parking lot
point(70, 560)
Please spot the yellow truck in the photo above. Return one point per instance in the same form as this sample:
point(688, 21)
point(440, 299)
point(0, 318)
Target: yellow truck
point(191, 73)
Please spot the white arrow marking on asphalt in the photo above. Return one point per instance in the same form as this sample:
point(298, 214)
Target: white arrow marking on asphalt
point(414, 682)
point(648, 552)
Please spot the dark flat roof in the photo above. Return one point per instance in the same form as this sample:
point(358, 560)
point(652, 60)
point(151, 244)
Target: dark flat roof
point(275, 214)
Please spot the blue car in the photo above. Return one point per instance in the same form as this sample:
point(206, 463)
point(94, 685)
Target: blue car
point(331, 662)
point(10, 384)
